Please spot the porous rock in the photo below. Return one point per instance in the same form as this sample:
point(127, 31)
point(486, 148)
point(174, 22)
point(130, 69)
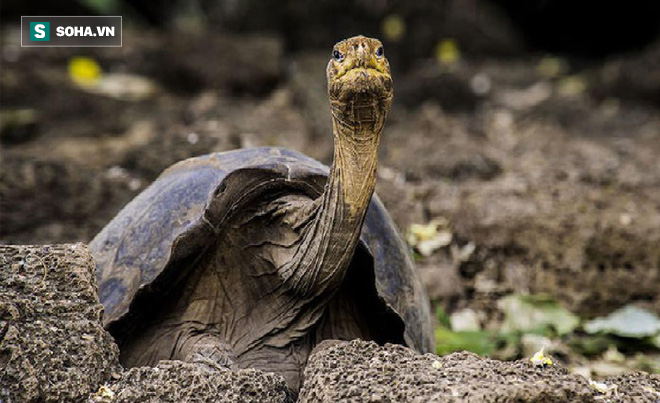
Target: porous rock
point(638, 387)
point(176, 381)
point(360, 371)
point(52, 344)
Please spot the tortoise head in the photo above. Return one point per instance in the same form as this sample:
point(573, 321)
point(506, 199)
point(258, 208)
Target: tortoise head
point(359, 75)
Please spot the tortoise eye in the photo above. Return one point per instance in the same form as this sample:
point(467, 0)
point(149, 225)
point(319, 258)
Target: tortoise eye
point(380, 51)
point(337, 56)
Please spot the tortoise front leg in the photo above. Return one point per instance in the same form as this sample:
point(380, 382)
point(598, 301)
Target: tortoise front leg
point(205, 348)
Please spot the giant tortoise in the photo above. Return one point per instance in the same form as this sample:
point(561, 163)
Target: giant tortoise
point(250, 258)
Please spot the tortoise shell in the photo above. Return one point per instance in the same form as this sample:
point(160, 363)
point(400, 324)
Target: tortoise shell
point(177, 217)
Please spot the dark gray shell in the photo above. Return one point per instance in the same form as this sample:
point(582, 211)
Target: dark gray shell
point(176, 217)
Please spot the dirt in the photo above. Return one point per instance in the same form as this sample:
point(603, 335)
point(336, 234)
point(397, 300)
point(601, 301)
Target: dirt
point(548, 211)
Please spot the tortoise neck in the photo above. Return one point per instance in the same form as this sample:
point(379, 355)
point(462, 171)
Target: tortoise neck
point(331, 239)
point(353, 173)
point(347, 195)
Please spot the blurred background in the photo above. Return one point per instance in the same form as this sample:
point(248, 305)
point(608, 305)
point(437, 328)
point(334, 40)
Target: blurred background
point(520, 159)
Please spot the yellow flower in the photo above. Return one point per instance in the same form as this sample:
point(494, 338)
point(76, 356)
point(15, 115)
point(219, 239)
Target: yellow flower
point(426, 238)
point(540, 360)
point(393, 27)
point(105, 392)
point(84, 71)
point(447, 52)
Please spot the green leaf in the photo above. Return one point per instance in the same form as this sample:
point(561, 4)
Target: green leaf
point(442, 317)
point(446, 341)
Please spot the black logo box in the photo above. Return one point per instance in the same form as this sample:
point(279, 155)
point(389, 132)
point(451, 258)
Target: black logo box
point(73, 41)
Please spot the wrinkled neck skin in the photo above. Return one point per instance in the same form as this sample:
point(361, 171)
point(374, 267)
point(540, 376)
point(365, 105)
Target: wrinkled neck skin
point(357, 128)
point(334, 230)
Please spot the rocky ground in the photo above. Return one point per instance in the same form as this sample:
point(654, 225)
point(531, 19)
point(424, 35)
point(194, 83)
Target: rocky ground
point(360, 371)
point(540, 172)
point(53, 348)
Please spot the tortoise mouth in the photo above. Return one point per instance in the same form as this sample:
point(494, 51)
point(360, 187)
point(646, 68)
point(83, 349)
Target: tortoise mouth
point(371, 70)
point(361, 83)
point(359, 75)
